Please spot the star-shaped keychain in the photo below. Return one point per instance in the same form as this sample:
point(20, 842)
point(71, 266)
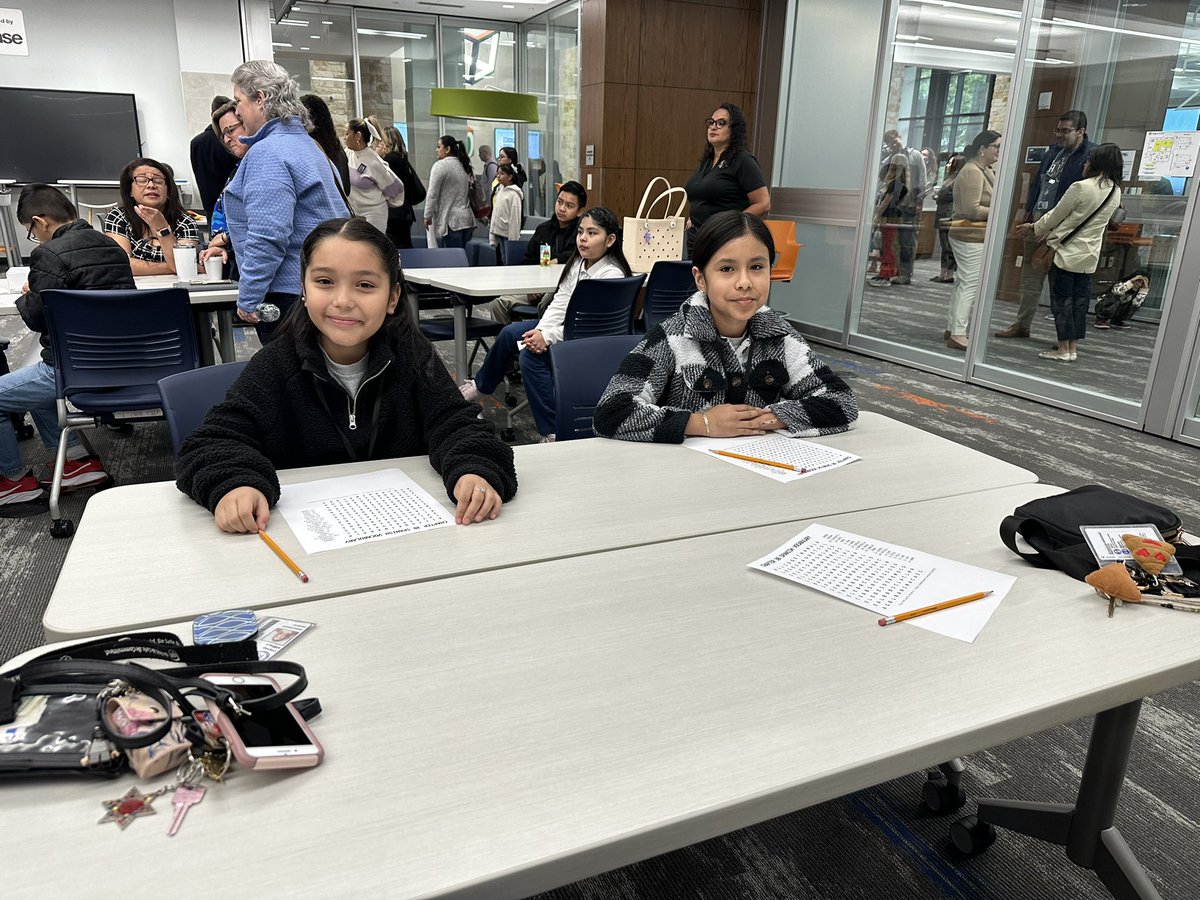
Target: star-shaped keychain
point(127, 808)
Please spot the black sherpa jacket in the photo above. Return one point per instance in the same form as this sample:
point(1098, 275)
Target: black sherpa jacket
point(76, 258)
point(286, 411)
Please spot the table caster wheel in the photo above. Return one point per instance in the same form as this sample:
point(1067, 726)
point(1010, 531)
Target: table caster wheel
point(62, 528)
point(510, 400)
point(940, 797)
point(24, 431)
point(970, 836)
point(508, 435)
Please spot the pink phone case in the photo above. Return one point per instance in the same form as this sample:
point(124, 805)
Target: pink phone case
point(238, 748)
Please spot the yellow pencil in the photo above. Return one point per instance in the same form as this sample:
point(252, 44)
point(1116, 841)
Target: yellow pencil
point(287, 560)
point(755, 459)
point(937, 607)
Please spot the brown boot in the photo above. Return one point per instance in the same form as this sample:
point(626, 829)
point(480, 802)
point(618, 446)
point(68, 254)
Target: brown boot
point(1013, 331)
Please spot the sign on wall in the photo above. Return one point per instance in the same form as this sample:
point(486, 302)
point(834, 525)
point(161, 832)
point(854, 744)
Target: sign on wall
point(13, 41)
point(1169, 153)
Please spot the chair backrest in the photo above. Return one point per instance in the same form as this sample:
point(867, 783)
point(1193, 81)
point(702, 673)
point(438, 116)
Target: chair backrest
point(514, 252)
point(784, 233)
point(188, 396)
point(102, 340)
point(582, 370)
point(602, 306)
point(669, 285)
point(433, 258)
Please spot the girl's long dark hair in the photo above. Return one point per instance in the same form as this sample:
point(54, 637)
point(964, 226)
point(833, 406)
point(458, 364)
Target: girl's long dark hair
point(608, 222)
point(398, 327)
point(173, 211)
point(324, 132)
point(737, 136)
point(1106, 162)
point(458, 151)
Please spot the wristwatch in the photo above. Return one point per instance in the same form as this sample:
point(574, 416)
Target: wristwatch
point(163, 233)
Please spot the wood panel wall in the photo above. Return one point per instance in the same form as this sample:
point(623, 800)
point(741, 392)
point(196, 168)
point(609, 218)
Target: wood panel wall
point(652, 72)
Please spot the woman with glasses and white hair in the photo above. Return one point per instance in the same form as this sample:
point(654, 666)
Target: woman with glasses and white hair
point(283, 189)
point(150, 217)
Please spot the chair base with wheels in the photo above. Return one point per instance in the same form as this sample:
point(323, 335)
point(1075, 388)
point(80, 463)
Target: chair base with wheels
point(23, 429)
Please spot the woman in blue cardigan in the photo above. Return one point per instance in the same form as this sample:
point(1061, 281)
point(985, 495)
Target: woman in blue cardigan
point(283, 189)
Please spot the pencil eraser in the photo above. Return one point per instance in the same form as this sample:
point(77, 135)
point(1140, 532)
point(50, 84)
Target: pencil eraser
point(304, 578)
point(883, 621)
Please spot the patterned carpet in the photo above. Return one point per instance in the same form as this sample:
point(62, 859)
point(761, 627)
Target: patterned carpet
point(876, 843)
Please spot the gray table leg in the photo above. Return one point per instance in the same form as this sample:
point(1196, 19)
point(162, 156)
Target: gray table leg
point(225, 335)
point(1086, 829)
point(460, 343)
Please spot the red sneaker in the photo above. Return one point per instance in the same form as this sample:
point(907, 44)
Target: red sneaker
point(22, 490)
point(77, 473)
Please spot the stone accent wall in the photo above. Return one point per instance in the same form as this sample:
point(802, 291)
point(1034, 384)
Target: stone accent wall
point(329, 80)
point(999, 111)
point(377, 88)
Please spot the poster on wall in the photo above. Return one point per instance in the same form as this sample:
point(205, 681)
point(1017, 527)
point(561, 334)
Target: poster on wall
point(1127, 157)
point(1169, 154)
point(13, 40)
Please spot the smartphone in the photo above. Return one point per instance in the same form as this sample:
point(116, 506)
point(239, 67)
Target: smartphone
point(267, 739)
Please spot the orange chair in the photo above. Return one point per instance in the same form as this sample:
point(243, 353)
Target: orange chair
point(783, 231)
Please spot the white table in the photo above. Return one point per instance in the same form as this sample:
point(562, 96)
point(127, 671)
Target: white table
point(148, 548)
point(222, 302)
point(481, 281)
point(501, 733)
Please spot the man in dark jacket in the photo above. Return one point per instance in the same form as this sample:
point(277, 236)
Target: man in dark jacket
point(211, 163)
point(71, 255)
point(1061, 167)
point(559, 233)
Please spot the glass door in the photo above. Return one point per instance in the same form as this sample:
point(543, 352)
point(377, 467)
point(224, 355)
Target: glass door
point(931, 174)
point(1126, 77)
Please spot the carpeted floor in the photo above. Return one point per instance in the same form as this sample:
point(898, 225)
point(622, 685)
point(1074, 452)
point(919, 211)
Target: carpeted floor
point(876, 843)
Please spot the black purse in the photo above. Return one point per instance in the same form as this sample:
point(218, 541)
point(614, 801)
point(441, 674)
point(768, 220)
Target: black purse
point(1051, 527)
point(52, 708)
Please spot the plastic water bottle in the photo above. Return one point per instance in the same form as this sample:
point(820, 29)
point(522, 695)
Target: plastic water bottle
point(268, 312)
point(545, 258)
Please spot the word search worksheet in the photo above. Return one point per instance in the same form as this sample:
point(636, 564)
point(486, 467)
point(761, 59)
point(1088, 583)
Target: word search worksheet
point(888, 579)
point(356, 509)
point(805, 457)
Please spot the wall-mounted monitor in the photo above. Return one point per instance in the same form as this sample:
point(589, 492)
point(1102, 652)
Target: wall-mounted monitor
point(49, 135)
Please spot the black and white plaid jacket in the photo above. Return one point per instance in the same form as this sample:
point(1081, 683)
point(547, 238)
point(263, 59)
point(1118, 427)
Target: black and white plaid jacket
point(684, 366)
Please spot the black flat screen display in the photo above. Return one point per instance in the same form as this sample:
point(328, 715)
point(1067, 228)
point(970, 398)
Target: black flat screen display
point(50, 135)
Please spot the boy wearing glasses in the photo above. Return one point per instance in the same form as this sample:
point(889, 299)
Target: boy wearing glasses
point(1061, 167)
point(70, 255)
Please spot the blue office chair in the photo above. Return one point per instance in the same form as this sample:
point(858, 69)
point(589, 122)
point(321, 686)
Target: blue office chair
point(480, 252)
point(582, 370)
point(598, 307)
point(669, 285)
point(110, 349)
point(514, 252)
point(441, 328)
point(188, 396)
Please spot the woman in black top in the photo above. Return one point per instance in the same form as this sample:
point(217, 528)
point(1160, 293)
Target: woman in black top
point(401, 218)
point(728, 176)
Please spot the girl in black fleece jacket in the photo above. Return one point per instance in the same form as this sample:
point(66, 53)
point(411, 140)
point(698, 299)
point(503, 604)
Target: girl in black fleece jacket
point(349, 378)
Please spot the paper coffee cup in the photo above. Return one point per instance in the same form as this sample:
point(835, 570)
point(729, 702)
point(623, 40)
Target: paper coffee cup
point(213, 268)
point(185, 260)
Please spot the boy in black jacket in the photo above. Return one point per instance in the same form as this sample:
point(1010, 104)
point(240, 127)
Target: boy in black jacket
point(71, 255)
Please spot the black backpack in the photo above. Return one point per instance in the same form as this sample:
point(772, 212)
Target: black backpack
point(1051, 526)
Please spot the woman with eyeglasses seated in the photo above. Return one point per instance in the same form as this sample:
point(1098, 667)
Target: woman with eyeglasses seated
point(150, 217)
point(728, 177)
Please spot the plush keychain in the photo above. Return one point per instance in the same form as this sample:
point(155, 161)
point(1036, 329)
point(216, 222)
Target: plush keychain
point(1150, 555)
point(1141, 580)
point(1113, 583)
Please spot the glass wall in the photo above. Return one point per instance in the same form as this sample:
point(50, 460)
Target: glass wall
point(937, 270)
point(398, 66)
point(376, 62)
point(1125, 75)
point(482, 58)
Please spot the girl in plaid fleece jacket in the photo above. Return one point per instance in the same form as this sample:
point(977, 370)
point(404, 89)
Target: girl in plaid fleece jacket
point(725, 365)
